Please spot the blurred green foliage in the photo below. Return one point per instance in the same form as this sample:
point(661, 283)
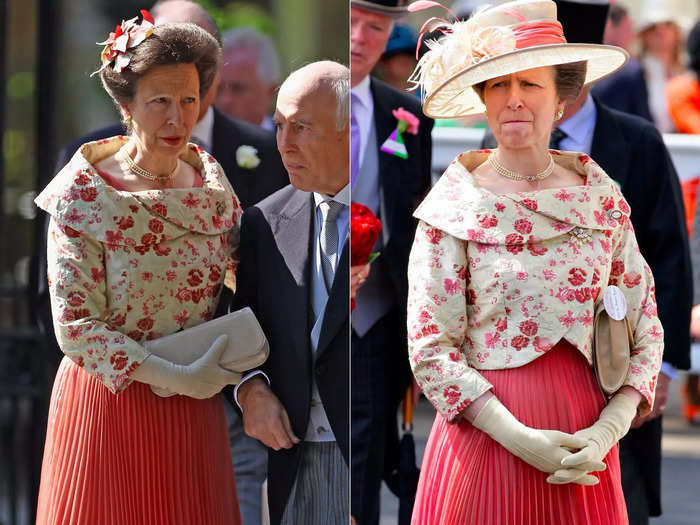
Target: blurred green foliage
point(237, 14)
point(20, 85)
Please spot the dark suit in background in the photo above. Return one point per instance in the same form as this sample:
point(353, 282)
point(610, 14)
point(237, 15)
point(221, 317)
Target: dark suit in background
point(625, 90)
point(380, 369)
point(632, 152)
point(274, 279)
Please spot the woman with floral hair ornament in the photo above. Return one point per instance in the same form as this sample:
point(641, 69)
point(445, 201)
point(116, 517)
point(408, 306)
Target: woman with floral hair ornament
point(143, 229)
point(514, 251)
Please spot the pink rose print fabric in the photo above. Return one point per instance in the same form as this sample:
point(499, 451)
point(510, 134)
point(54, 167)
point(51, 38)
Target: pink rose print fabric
point(126, 267)
point(495, 281)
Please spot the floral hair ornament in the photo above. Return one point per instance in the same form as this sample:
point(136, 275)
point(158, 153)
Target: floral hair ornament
point(408, 123)
point(497, 40)
point(125, 36)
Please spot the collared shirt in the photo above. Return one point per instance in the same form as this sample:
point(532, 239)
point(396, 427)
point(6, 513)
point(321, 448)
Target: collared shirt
point(203, 130)
point(579, 128)
point(363, 111)
point(319, 428)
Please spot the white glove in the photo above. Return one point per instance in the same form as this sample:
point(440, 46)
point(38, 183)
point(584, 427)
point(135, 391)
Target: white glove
point(543, 449)
point(612, 425)
point(201, 379)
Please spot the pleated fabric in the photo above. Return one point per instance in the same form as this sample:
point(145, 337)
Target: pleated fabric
point(133, 458)
point(467, 478)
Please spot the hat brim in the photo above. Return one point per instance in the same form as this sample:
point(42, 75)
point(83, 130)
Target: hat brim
point(392, 12)
point(455, 97)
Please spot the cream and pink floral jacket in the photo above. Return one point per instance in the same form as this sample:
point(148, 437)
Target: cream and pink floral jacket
point(495, 281)
point(126, 267)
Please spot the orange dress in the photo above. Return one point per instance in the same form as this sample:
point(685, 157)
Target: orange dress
point(683, 95)
point(125, 267)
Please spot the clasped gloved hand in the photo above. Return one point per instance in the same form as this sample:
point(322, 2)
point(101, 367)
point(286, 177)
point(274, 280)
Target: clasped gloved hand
point(201, 379)
point(543, 449)
point(614, 422)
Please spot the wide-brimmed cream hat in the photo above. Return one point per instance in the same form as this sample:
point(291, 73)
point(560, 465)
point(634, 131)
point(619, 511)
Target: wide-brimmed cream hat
point(500, 40)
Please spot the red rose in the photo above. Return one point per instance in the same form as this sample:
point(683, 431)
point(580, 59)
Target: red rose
point(82, 179)
point(119, 320)
point(155, 225)
point(577, 276)
point(76, 298)
point(214, 273)
point(70, 232)
point(632, 279)
point(161, 249)
point(364, 232)
point(529, 203)
point(488, 221)
point(451, 394)
point(501, 324)
point(514, 238)
point(183, 294)
point(434, 235)
point(618, 268)
point(114, 237)
point(88, 194)
point(145, 324)
point(528, 328)
point(160, 209)
point(118, 359)
point(519, 342)
point(523, 226)
point(136, 335)
point(195, 277)
point(148, 238)
point(125, 222)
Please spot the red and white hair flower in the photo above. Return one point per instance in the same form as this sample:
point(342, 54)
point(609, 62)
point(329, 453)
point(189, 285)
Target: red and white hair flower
point(125, 36)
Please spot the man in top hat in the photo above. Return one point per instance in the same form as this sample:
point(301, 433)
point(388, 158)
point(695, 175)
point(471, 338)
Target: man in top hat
point(392, 186)
point(632, 152)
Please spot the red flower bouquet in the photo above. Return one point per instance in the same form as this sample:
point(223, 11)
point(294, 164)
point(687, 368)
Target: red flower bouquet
point(364, 232)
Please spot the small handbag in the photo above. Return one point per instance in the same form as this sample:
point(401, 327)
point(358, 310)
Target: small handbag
point(612, 341)
point(247, 346)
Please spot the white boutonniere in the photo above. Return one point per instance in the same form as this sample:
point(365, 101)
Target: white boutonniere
point(247, 157)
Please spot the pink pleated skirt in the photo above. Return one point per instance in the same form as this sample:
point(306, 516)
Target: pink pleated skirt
point(469, 479)
point(133, 458)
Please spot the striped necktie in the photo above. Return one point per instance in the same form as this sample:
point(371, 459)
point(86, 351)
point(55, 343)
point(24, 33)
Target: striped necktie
point(329, 239)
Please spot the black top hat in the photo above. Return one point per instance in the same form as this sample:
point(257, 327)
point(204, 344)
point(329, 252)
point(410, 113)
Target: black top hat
point(583, 22)
point(391, 8)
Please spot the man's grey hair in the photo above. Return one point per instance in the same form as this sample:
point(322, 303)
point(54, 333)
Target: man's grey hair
point(340, 86)
point(261, 45)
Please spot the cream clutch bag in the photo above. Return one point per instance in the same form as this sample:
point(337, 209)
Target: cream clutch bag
point(247, 345)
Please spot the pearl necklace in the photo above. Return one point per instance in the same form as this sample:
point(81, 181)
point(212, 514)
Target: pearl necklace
point(137, 170)
point(514, 175)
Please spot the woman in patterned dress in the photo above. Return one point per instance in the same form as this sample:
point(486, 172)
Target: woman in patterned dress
point(513, 250)
point(143, 229)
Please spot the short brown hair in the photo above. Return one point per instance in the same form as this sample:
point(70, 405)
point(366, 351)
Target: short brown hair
point(170, 44)
point(568, 79)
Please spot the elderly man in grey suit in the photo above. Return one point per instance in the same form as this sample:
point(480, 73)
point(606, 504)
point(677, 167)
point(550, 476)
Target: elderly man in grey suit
point(294, 274)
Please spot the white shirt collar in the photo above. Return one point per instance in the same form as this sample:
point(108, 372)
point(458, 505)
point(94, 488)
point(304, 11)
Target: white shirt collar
point(363, 92)
point(204, 129)
point(343, 196)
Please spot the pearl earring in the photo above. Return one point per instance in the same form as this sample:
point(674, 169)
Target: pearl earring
point(559, 114)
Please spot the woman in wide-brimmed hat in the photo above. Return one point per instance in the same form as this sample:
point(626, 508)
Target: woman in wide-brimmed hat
point(514, 250)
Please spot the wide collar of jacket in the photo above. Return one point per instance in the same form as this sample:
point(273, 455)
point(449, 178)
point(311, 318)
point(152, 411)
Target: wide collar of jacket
point(462, 208)
point(78, 197)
